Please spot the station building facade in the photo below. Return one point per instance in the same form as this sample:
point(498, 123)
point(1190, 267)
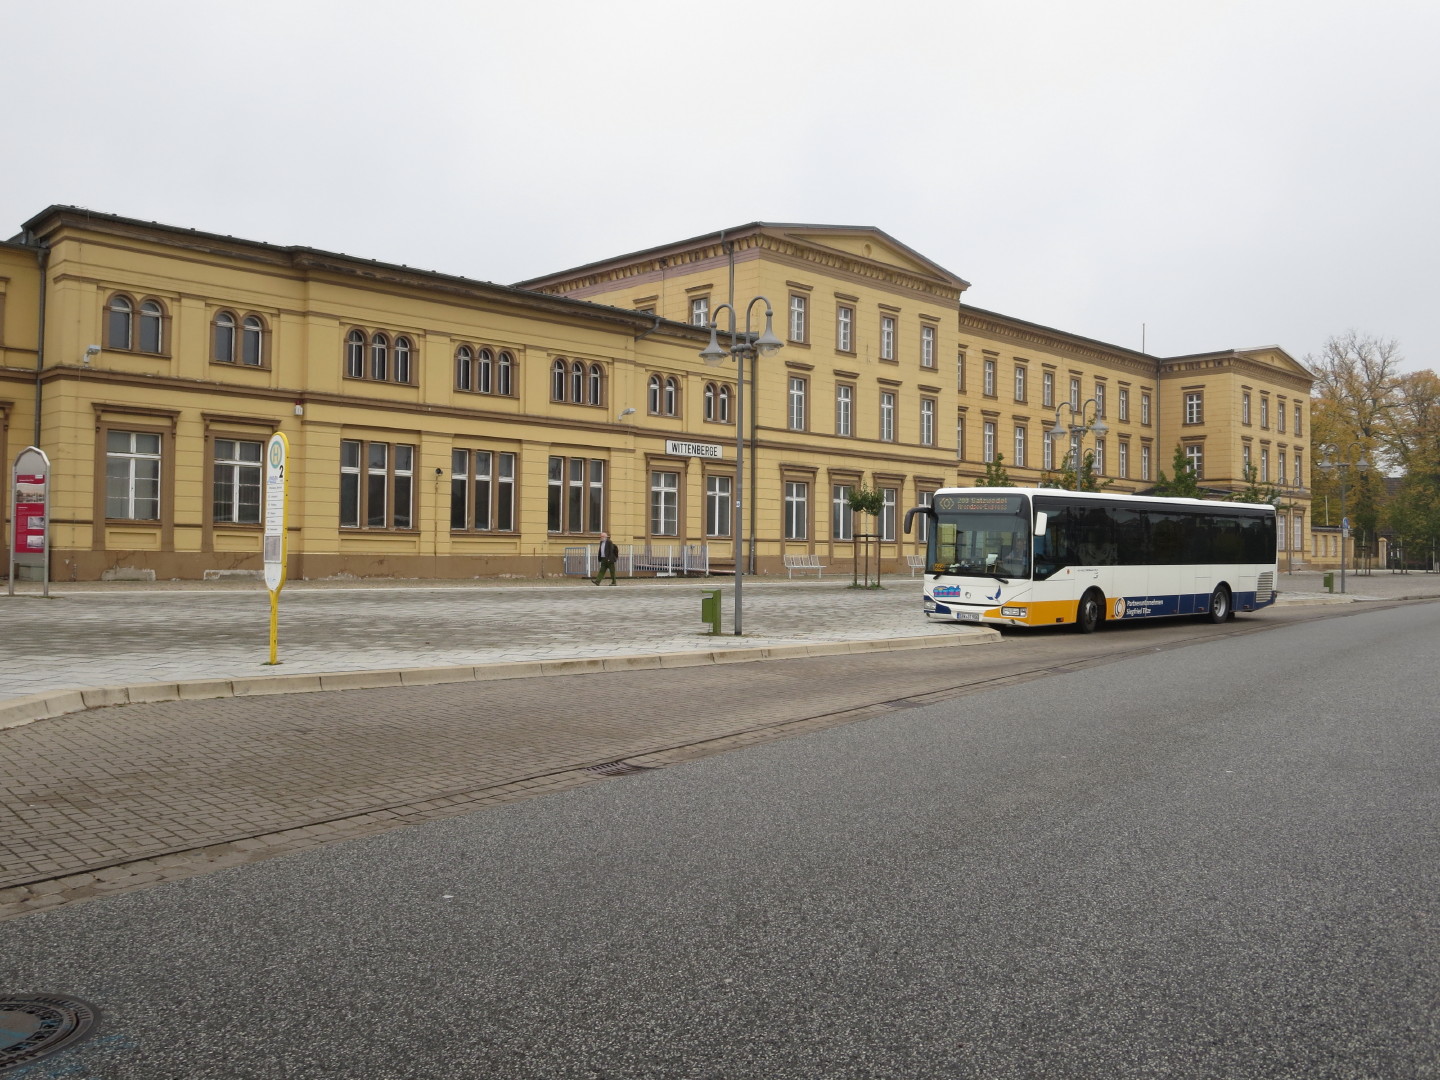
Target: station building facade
point(447, 427)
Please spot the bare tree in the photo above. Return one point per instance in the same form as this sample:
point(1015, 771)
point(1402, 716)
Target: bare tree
point(1356, 391)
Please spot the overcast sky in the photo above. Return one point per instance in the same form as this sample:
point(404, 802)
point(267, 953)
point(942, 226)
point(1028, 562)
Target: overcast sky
point(1226, 173)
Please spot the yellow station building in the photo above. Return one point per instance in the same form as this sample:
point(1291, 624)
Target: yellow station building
point(447, 427)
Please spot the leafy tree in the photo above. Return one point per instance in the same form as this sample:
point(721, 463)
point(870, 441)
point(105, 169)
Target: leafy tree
point(995, 474)
point(1254, 491)
point(864, 500)
point(1185, 485)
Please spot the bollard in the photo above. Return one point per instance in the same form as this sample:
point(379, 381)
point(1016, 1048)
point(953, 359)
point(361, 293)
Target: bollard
point(1329, 580)
point(710, 609)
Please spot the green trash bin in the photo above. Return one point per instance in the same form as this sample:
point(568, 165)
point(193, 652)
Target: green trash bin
point(1329, 580)
point(710, 609)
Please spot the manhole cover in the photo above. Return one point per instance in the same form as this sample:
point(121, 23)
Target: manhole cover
point(34, 1025)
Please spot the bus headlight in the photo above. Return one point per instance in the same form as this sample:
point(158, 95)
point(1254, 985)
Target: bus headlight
point(1013, 612)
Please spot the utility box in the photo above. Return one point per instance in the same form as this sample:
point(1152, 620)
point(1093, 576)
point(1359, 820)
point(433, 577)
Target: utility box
point(1329, 580)
point(710, 609)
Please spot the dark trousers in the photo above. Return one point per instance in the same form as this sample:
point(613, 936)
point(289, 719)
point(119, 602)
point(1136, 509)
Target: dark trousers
point(606, 566)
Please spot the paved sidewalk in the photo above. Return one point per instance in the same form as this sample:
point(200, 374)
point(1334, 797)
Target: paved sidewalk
point(91, 645)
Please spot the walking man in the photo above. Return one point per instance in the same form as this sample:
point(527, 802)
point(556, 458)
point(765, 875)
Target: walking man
point(609, 554)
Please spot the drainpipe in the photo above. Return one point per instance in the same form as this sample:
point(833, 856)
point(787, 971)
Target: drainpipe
point(42, 255)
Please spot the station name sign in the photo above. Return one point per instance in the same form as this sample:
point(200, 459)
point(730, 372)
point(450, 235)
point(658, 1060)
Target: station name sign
point(681, 448)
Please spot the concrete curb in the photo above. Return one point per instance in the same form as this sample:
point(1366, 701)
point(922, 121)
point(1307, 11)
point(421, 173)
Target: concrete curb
point(27, 710)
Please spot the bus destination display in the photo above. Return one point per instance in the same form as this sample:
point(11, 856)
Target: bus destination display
point(979, 504)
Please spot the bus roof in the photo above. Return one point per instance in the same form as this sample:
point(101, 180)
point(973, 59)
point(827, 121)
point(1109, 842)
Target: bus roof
point(1109, 497)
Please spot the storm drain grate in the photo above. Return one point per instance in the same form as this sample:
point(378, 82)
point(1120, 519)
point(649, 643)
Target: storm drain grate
point(35, 1025)
point(617, 768)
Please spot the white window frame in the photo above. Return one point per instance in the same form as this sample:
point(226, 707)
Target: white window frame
point(797, 510)
point(796, 413)
point(844, 409)
point(887, 337)
point(887, 416)
point(927, 421)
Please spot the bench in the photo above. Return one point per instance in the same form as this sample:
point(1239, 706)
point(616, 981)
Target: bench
point(915, 562)
point(803, 562)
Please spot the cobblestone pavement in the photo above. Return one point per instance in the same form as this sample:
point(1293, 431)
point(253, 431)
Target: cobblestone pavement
point(112, 798)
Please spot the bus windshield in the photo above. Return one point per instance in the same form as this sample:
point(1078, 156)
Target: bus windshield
point(981, 535)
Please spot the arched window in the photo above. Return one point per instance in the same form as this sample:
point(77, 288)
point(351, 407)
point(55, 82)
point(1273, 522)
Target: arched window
point(577, 382)
point(557, 381)
point(505, 375)
point(224, 351)
point(672, 393)
point(379, 357)
point(484, 371)
point(252, 341)
point(355, 354)
point(152, 319)
point(119, 323)
point(403, 350)
point(710, 401)
point(463, 358)
point(654, 394)
point(722, 412)
point(597, 385)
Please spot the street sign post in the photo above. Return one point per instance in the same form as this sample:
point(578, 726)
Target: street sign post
point(277, 453)
point(30, 515)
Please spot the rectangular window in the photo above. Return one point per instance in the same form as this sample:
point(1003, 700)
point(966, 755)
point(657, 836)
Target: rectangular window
point(575, 497)
point(887, 337)
point(1019, 382)
point(1144, 463)
point(132, 475)
point(1194, 407)
point(1123, 404)
point(845, 328)
point(1195, 458)
point(922, 523)
point(1280, 469)
point(988, 448)
point(797, 404)
point(927, 421)
point(1297, 431)
point(482, 491)
point(595, 497)
point(798, 305)
point(960, 371)
point(1020, 446)
point(484, 481)
point(1264, 411)
point(1047, 389)
point(1280, 416)
point(1100, 400)
point(718, 499)
point(842, 523)
point(927, 346)
point(1245, 407)
point(887, 416)
point(1099, 457)
point(1245, 457)
point(1124, 461)
point(1297, 469)
point(555, 495)
point(459, 489)
point(989, 383)
point(700, 311)
point(844, 409)
point(237, 481)
point(1075, 394)
point(960, 437)
point(890, 501)
point(377, 485)
point(797, 510)
point(1145, 411)
point(505, 494)
point(1047, 449)
point(1264, 464)
point(664, 504)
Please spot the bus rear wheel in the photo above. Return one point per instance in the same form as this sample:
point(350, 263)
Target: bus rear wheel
point(1091, 612)
point(1220, 606)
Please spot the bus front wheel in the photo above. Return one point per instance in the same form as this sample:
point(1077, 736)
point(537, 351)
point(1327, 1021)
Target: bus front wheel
point(1220, 606)
point(1092, 611)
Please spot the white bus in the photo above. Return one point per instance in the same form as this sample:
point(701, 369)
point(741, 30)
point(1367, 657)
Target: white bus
point(1041, 556)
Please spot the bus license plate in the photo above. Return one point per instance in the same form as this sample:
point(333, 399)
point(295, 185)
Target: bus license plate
point(967, 616)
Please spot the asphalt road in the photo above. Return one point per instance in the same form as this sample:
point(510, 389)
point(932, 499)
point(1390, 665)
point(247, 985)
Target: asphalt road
point(1211, 861)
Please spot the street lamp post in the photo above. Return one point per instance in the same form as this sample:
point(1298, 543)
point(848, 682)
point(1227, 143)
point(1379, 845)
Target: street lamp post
point(743, 346)
point(1327, 462)
point(1078, 428)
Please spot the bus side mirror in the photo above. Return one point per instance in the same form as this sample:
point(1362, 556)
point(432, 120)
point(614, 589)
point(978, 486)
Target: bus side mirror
point(910, 515)
point(1041, 520)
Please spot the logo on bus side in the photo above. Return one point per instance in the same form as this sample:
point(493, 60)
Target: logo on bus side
point(1119, 607)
